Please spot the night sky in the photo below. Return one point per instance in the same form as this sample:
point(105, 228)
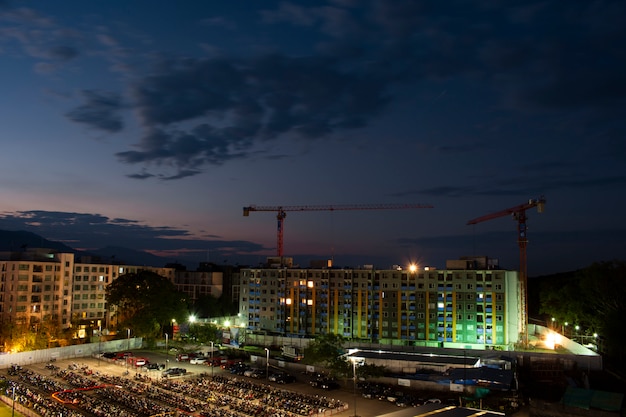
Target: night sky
point(150, 124)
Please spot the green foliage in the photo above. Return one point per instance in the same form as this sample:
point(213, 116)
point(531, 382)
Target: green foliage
point(339, 367)
point(146, 302)
point(369, 370)
point(324, 350)
point(593, 298)
point(204, 333)
point(236, 354)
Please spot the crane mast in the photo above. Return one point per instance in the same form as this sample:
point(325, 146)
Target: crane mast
point(519, 214)
point(281, 213)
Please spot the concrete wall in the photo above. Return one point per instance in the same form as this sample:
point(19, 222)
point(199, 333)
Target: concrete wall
point(577, 356)
point(68, 352)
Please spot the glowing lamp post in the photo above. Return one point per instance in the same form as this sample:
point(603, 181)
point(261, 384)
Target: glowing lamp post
point(192, 320)
point(167, 352)
point(353, 360)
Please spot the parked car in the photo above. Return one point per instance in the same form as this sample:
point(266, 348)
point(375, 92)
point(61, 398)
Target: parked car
point(174, 372)
point(225, 363)
point(259, 373)
point(183, 357)
point(198, 361)
point(329, 384)
point(250, 371)
point(122, 356)
point(239, 368)
point(155, 366)
point(325, 383)
point(136, 361)
point(282, 378)
point(409, 400)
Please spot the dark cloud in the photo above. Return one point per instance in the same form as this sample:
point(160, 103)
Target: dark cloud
point(63, 53)
point(532, 55)
point(101, 110)
point(522, 185)
point(93, 231)
point(233, 104)
point(141, 175)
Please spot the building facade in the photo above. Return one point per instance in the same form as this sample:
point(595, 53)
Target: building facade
point(39, 286)
point(452, 307)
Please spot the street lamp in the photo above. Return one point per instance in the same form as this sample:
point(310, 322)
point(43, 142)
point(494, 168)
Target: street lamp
point(99, 341)
point(126, 357)
point(353, 360)
point(267, 363)
point(192, 320)
point(13, 402)
point(212, 364)
point(167, 352)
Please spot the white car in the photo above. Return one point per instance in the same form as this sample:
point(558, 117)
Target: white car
point(198, 361)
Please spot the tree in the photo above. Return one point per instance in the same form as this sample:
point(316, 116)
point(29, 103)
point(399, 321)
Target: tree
point(210, 306)
point(593, 298)
point(146, 303)
point(324, 350)
point(204, 333)
point(603, 299)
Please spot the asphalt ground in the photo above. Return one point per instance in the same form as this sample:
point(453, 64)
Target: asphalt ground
point(364, 407)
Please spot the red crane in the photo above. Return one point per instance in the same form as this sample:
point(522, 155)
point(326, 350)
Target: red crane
point(282, 213)
point(519, 213)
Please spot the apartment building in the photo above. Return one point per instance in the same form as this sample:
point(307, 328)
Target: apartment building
point(36, 286)
point(40, 285)
point(89, 282)
point(452, 307)
point(203, 282)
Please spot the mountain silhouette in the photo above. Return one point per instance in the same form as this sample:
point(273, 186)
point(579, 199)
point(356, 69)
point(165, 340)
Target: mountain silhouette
point(20, 241)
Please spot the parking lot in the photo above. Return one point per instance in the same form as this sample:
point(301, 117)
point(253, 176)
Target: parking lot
point(260, 392)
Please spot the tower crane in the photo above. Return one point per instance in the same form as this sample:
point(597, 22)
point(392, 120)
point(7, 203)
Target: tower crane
point(281, 213)
point(519, 213)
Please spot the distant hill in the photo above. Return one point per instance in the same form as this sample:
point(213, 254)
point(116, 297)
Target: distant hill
point(15, 241)
point(115, 254)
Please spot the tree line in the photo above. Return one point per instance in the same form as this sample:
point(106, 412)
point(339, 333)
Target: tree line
point(593, 298)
